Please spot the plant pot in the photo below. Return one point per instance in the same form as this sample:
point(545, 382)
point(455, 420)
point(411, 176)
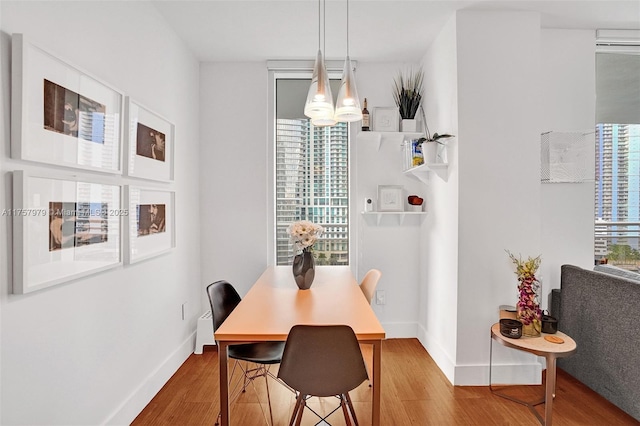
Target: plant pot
point(408, 125)
point(430, 152)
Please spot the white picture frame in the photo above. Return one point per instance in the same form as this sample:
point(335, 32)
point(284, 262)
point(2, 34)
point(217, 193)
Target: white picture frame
point(145, 130)
point(63, 229)
point(390, 198)
point(149, 236)
point(60, 114)
point(386, 119)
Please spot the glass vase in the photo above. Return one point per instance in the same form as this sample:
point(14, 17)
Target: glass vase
point(528, 307)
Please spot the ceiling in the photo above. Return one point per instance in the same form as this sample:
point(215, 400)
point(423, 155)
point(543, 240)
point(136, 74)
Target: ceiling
point(380, 30)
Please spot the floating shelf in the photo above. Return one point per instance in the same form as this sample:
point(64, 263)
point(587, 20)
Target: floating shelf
point(400, 215)
point(422, 172)
point(378, 137)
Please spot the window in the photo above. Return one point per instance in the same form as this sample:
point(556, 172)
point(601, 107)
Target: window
point(311, 176)
point(617, 194)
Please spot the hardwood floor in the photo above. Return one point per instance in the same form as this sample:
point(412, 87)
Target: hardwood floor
point(415, 392)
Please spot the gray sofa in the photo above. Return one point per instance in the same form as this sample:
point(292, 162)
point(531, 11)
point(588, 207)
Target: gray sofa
point(601, 312)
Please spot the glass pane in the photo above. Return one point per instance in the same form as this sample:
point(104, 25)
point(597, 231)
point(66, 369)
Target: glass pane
point(312, 183)
point(617, 203)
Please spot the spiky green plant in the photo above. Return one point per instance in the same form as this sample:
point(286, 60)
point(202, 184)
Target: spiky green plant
point(408, 88)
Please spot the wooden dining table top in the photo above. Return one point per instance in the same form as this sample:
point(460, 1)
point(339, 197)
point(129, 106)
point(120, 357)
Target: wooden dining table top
point(275, 304)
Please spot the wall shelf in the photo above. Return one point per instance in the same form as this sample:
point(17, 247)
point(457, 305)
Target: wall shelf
point(422, 172)
point(378, 137)
point(400, 215)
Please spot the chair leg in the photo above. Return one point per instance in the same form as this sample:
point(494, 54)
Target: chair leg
point(266, 381)
point(301, 411)
point(345, 410)
point(353, 412)
point(248, 375)
point(296, 407)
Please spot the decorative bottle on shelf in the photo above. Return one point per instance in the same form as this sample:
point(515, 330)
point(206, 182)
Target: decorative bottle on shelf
point(365, 117)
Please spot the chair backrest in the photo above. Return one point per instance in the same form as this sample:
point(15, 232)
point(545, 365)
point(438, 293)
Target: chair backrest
point(322, 360)
point(369, 283)
point(223, 299)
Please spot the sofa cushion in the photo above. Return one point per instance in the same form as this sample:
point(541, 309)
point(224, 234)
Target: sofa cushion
point(620, 272)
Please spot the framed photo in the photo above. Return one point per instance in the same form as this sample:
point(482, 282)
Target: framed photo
point(63, 229)
point(386, 119)
point(61, 115)
point(150, 144)
point(390, 198)
point(151, 226)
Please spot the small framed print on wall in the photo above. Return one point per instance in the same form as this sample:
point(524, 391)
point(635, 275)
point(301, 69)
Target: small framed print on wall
point(151, 223)
point(63, 229)
point(390, 198)
point(386, 119)
point(61, 115)
point(150, 144)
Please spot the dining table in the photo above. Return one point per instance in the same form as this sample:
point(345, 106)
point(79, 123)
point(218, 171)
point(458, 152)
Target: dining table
point(274, 304)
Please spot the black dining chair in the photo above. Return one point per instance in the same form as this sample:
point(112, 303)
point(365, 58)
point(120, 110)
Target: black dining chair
point(223, 298)
point(322, 360)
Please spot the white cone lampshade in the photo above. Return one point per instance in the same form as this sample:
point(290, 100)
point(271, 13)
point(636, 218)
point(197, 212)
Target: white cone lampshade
point(319, 99)
point(323, 121)
point(348, 104)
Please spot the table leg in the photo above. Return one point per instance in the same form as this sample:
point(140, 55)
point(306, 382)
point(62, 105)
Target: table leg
point(550, 388)
point(223, 364)
point(377, 369)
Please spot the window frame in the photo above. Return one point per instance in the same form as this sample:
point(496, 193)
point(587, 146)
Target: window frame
point(301, 70)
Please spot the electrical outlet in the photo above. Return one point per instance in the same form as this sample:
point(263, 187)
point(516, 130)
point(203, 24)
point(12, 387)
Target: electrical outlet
point(380, 297)
point(184, 311)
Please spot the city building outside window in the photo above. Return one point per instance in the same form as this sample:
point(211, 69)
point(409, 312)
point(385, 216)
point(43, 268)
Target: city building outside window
point(311, 177)
point(617, 183)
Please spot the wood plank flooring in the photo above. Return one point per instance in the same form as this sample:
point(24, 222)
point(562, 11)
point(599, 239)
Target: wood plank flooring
point(415, 392)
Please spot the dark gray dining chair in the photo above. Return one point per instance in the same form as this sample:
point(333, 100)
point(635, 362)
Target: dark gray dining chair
point(322, 360)
point(224, 298)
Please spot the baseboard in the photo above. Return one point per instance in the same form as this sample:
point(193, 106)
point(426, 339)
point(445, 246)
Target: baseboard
point(138, 400)
point(400, 330)
point(438, 354)
point(527, 372)
point(506, 374)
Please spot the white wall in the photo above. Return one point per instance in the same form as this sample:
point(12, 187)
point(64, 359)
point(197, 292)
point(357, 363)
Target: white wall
point(506, 91)
point(233, 164)
point(96, 350)
point(438, 291)
point(499, 173)
point(388, 246)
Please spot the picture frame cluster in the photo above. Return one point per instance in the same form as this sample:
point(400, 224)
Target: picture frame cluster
point(115, 205)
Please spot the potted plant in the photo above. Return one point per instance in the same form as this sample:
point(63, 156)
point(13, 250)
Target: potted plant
point(407, 94)
point(429, 144)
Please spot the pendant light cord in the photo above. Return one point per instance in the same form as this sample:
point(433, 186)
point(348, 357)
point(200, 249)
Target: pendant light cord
point(318, 24)
point(347, 28)
point(324, 27)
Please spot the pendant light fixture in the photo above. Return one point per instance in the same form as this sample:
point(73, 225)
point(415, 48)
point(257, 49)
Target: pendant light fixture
point(319, 104)
point(348, 104)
